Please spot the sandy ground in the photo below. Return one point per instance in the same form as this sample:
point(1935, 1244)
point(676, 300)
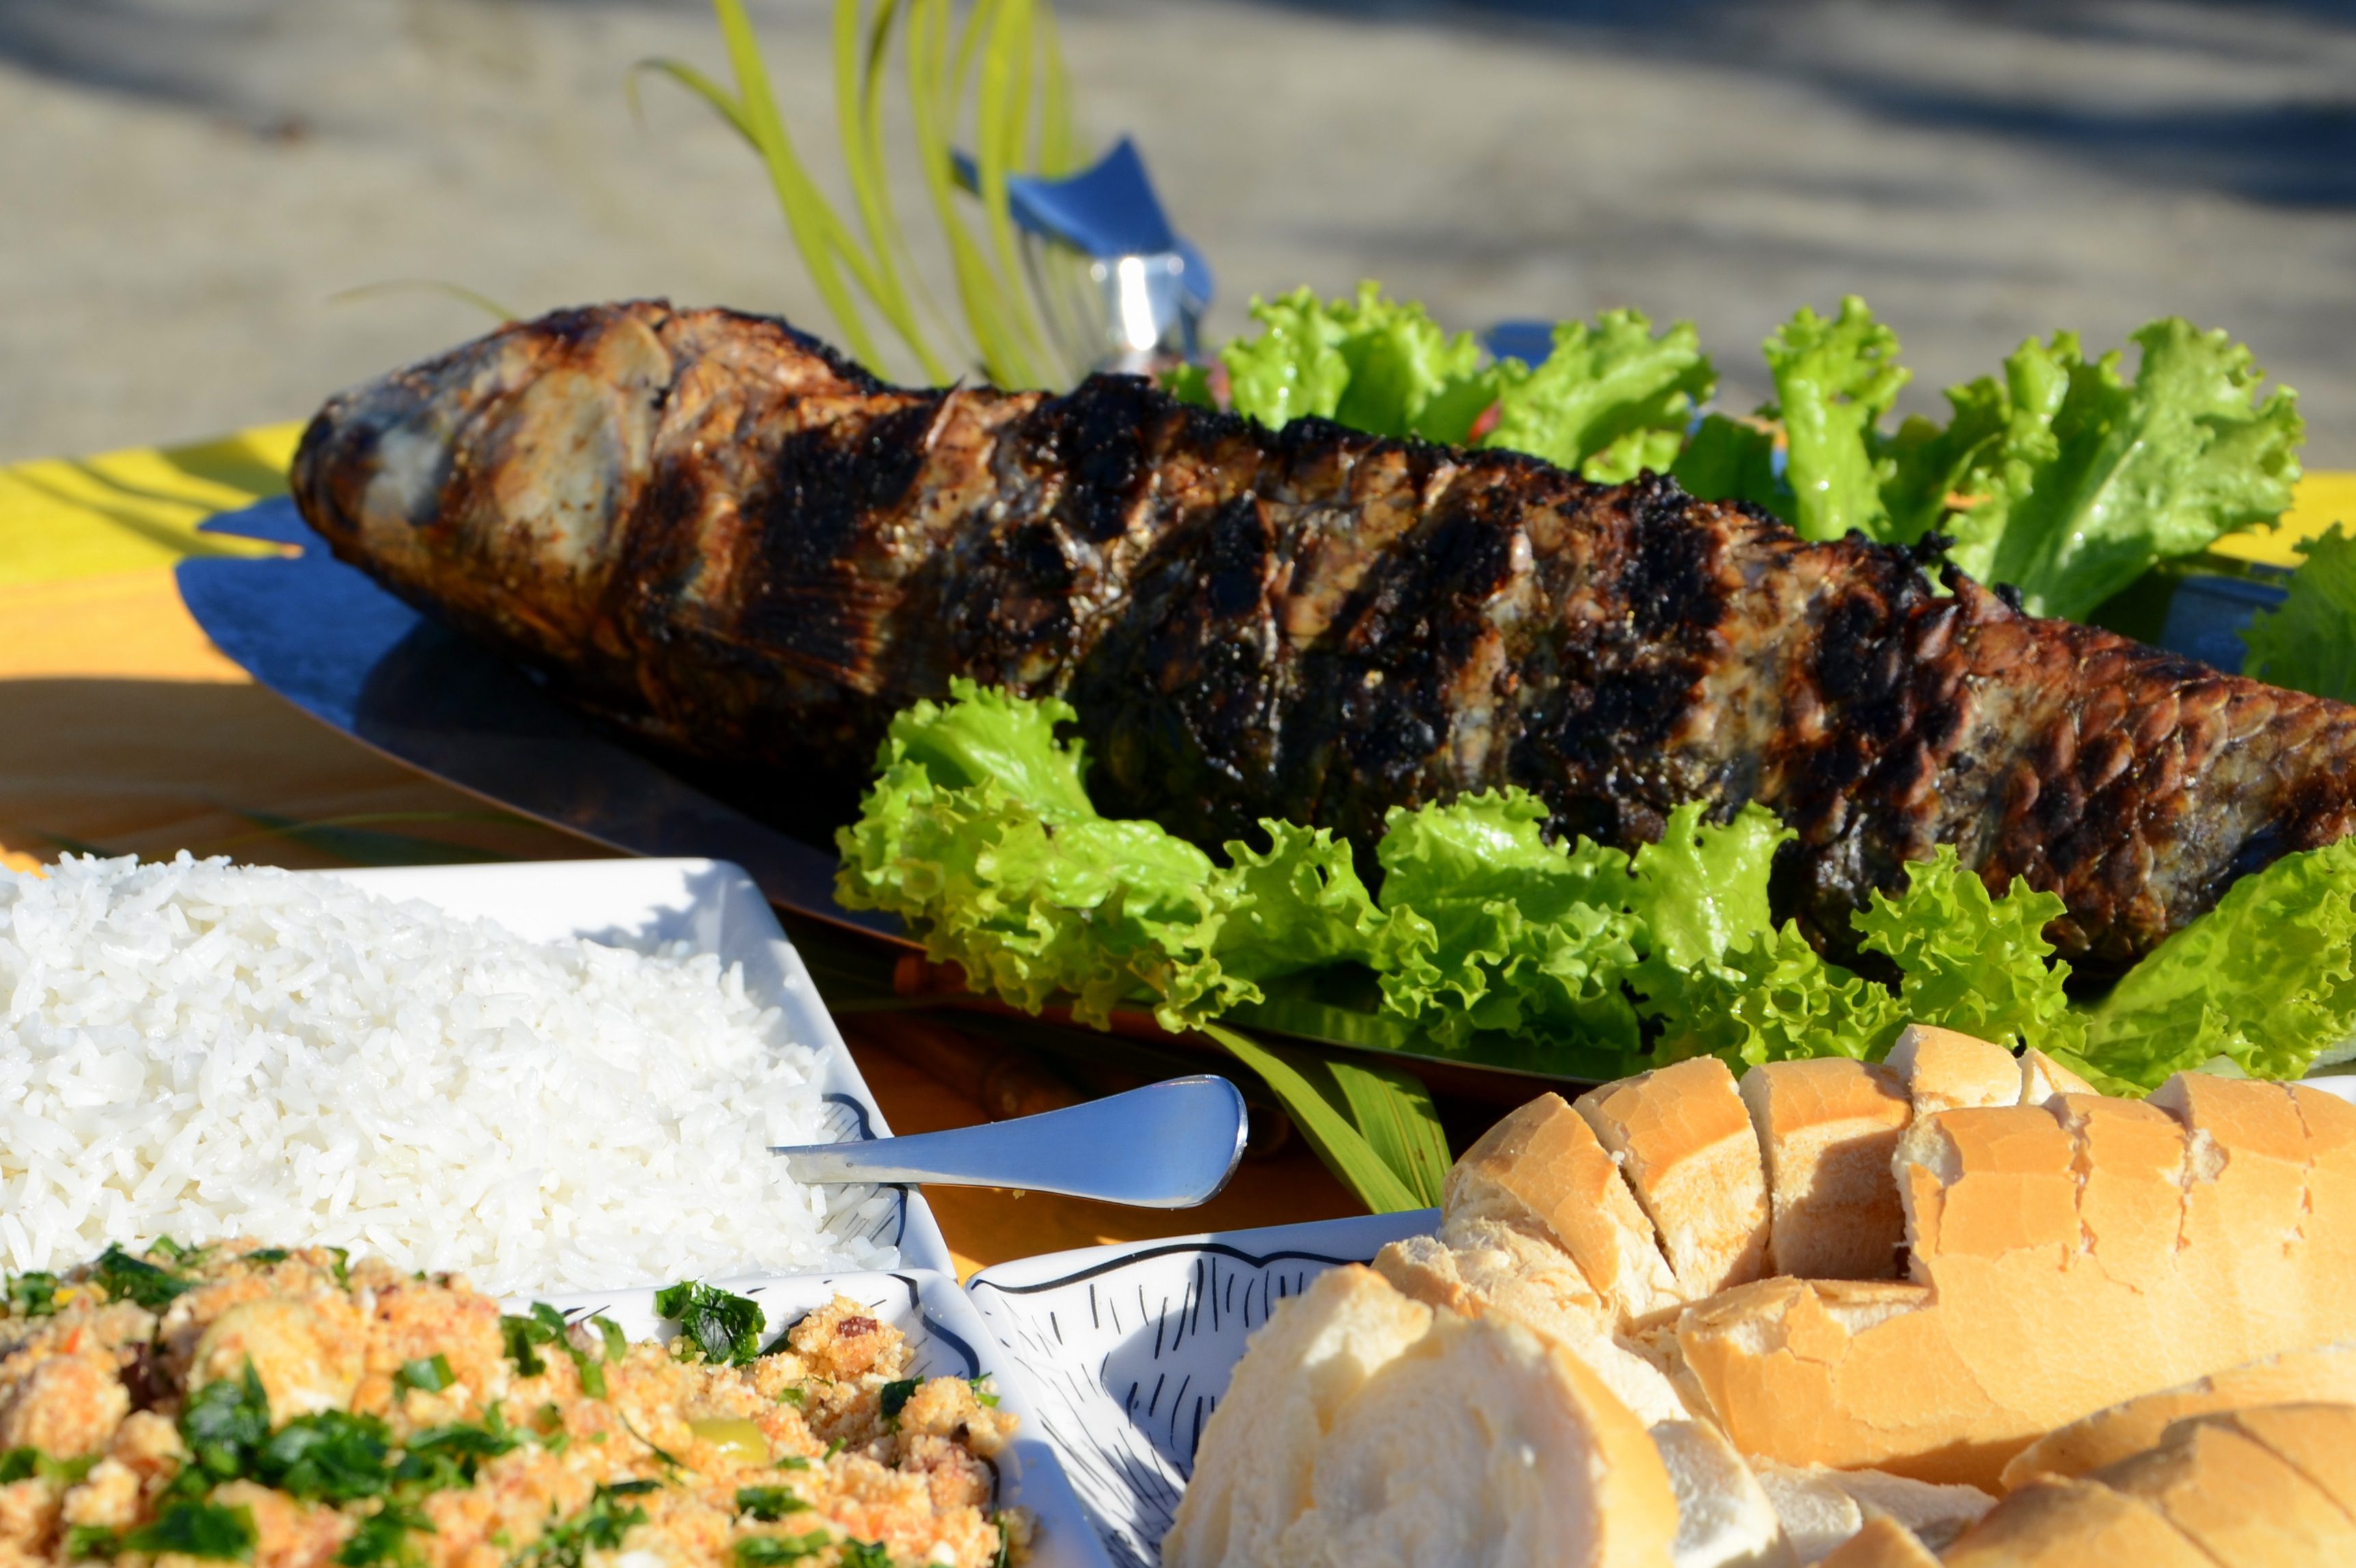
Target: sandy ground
point(190, 184)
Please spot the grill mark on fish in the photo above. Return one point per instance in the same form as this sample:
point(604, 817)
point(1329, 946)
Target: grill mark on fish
point(711, 530)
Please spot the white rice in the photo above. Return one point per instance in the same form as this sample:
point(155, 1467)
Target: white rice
point(200, 1051)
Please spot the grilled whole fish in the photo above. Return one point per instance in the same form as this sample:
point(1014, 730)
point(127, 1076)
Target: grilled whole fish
point(714, 532)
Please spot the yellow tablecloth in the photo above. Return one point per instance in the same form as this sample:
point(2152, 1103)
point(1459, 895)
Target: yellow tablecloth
point(124, 731)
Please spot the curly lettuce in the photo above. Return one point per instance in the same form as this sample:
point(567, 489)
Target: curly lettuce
point(2310, 643)
point(1492, 941)
point(1972, 961)
point(1371, 363)
point(2068, 481)
point(1492, 929)
point(2265, 981)
point(1610, 400)
point(1834, 380)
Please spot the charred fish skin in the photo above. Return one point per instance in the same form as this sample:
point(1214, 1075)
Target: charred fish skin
point(707, 527)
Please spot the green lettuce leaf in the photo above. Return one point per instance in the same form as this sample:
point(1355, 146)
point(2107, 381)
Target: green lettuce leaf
point(1972, 962)
point(1610, 400)
point(979, 835)
point(1732, 459)
point(1703, 889)
point(1297, 905)
point(2310, 643)
point(2081, 480)
point(1834, 380)
point(1773, 998)
point(1490, 928)
point(2265, 980)
point(1373, 364)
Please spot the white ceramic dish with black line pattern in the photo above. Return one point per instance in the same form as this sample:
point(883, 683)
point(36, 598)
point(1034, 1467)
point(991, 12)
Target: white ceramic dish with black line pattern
point(713, 907)
point(1124, 1351)
point(950, 1341)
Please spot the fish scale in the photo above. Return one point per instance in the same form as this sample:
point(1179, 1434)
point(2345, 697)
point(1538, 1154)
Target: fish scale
point(715, 533)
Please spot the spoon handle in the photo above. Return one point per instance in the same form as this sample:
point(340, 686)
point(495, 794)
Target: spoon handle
point(1167, 1145)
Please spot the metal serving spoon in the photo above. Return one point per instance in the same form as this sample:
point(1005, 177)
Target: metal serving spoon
point(1167, 1145)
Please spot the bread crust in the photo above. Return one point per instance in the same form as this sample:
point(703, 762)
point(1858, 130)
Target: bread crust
point(1827, 1129)
point(1945, 1070)
point(2074, 1525)
point(2235, 1499)
point(1542, 1170)
point(1880, 1542)
point(2042, 1077)
point(2116, 1432)
point(2316, 1439)
point(1684, 1141)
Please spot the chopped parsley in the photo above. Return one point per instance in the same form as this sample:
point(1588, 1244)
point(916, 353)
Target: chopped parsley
point(546, 1325)
point(864, 1554)
point(598, 1527)
point(983, 1394)
point(768, 1504)
point(767, 1551)
point(33, 1295)
point(332, 1456)
point(341, 1268)
point(796, 1396)
point(428, 1374)
point(23, 1464)
point(894, 1397)
point(717, 1324)
point(225, 1423)
point(267, 1255)
point(617, 1344)
point(443, 1459)
point(383, 1536)
point(196, 1529)
point(90, 1540)
point(792, 1462)
point(129, 1278)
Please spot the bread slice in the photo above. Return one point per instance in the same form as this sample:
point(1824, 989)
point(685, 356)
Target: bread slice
point(2328, 1227)
point(1542, 1171)
point(1724, 1518)
point(1827, 1129)
point(1495, 1271)
point(2235, 1499)
point(1984, 1182)
point(1683, 1139)
point(1254, 1465)
point(2042, 1077)
point(2118, 1431)
point(2317, 1440)
point(1483, 1444)
point(2244, 1211)
point(1882, 1542)
point(1945, 1071)
point(2074, 1525)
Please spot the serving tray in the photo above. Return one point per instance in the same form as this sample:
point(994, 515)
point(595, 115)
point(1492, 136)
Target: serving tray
point(324, 637)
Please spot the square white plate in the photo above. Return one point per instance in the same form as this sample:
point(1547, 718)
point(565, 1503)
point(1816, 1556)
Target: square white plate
point(1126, 1350)
point(950, 1341)
point(714, 907)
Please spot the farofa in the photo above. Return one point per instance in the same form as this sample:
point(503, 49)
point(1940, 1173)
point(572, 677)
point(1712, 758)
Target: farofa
point(276, 1407)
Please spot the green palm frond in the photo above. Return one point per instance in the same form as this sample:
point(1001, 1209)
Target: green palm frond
point(997, 76)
